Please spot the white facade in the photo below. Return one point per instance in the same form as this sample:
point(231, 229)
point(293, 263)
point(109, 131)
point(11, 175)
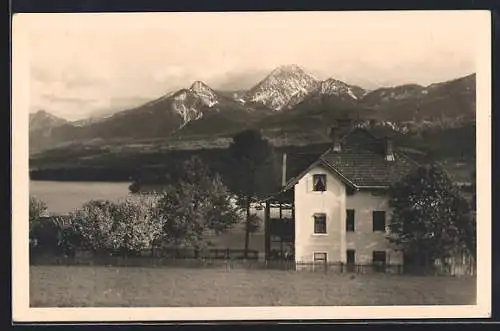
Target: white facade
point(333, 203)
point(363, 239)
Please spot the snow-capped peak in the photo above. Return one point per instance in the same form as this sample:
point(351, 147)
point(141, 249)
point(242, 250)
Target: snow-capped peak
point(199, 86)
point(333, 87)
point(336, 87)
point(185, 106)
point(190, 103)
point(204, 92)
point(281, 85)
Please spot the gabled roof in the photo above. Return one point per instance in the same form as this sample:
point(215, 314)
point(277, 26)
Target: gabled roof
point(361, 162)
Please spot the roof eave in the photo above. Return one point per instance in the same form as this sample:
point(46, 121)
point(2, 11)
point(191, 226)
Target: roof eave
point(385, 187)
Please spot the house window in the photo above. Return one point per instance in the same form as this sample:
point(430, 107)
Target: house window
point(320, 257)
point(379, 260)
point(319, 223)
point(319, 182)
point(349, 220)
point(351, 257)
point(379, 221)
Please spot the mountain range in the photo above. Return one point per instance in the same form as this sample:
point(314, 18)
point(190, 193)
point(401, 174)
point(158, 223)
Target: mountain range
point(288, 100)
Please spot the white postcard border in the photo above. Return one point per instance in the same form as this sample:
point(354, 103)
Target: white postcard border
point(20, 187)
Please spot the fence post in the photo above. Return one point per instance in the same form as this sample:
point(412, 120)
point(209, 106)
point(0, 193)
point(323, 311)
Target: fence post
point(341, 267)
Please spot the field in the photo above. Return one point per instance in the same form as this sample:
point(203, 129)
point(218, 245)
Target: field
point(85, 286)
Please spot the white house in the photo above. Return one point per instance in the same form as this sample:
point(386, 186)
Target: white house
point(341, 210)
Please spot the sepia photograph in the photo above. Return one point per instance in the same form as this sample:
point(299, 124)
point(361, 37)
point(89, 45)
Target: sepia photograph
point(251, 165)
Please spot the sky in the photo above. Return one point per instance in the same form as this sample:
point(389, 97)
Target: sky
point(83, 64)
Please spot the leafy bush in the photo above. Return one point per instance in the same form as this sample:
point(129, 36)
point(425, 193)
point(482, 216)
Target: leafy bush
point(37, 209)
point(129, 226)
point(94, 224)
point(136, 224)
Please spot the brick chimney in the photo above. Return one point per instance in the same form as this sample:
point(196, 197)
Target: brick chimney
point(335, 138)
point(389, 153)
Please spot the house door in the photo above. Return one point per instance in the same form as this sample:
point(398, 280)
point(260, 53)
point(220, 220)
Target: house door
point(351, 259)
point(379, 261)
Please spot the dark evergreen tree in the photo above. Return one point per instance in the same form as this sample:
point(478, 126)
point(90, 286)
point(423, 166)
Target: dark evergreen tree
point(430, 218)
point(252, 173)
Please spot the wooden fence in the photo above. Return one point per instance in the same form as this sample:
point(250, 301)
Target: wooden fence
point(219, 259)
point(210, 254)
point(463, 266)
point(147, 262)
point(335, 267)
point(454, 269)
point(152, 257)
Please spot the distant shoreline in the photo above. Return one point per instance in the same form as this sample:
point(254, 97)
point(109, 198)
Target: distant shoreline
point(80, 180)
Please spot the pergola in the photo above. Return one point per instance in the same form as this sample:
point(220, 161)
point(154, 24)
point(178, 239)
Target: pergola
point(279, 225)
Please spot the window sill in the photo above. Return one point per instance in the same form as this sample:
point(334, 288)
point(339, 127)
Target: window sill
point(320, 234)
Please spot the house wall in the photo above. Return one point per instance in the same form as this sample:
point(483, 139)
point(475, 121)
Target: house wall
point(330, 202)
point(333, 203)
point(364, 240)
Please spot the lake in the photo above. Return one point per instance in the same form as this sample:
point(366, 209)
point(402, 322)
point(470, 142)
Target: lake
point(63, 197)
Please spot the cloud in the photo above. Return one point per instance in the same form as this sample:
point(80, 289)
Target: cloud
point(238, 80)
point(51, 98)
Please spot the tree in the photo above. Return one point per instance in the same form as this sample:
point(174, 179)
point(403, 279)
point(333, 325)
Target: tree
point(94, 224)
point(37, 209)
point(252, 172)
point(430, 219)
point(196, 203)
point(136, 224)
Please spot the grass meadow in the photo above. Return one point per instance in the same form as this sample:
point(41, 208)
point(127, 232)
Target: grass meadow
point(99, 286)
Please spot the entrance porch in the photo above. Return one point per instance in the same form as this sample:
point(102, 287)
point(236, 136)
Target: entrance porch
point(279, 227)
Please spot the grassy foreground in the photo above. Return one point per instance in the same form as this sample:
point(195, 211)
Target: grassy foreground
point(85, 286)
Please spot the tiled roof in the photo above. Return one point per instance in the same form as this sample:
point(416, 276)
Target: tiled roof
point(362, 163)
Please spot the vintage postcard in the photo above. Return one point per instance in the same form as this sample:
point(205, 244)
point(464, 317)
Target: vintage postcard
point(251, 166)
